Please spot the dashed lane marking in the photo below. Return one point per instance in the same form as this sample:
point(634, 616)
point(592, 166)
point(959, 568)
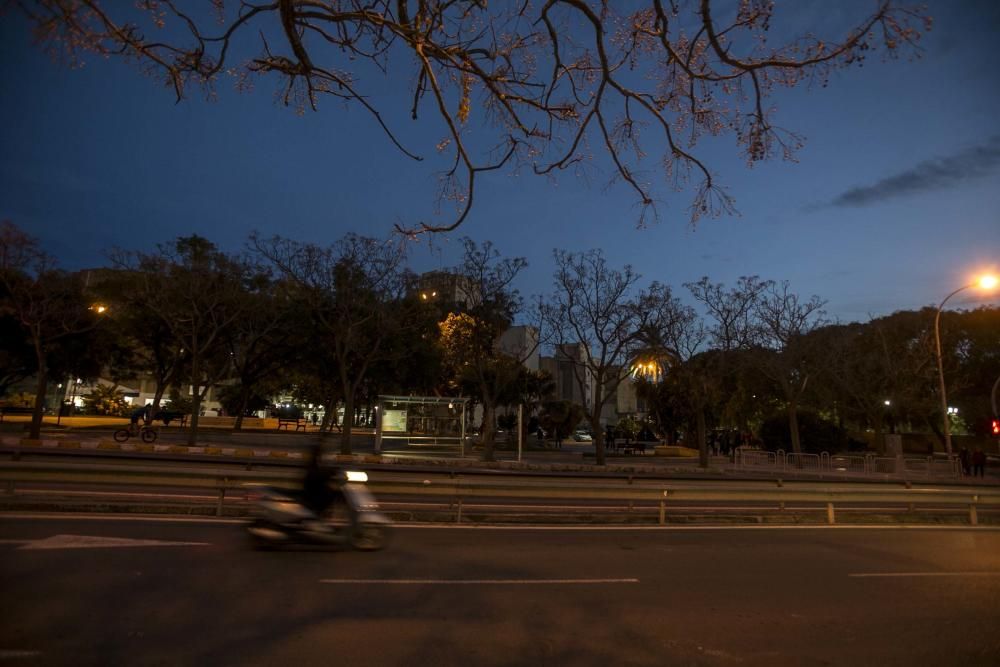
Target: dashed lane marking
point(475, 582)
point(97, 542)
point(9, 654)
point(873, 575)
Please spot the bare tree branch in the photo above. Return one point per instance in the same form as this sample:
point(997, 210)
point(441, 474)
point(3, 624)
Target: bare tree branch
point(547, 76)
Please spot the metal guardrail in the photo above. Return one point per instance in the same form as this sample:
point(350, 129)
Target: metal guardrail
point(905, 467)
point(458, 489)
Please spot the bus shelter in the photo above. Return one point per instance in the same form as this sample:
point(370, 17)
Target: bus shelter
point(420, 422)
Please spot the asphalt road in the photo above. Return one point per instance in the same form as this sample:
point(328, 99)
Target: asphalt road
point(722, 596)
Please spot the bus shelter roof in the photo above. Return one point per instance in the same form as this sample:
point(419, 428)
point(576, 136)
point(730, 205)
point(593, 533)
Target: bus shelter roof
point(424, 400)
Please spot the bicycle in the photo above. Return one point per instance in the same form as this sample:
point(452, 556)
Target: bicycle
point(147, 432)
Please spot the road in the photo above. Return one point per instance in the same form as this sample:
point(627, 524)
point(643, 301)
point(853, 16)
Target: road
point(437, 596)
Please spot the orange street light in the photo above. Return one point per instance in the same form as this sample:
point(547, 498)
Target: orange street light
point(986, 282)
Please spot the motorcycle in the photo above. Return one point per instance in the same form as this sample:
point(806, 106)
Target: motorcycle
point(354, 521)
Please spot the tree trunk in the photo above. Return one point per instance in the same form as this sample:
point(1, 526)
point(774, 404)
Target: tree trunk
point(41, 386)
point(158, 396)
point(244, 401)
point(329, 414)
point(489, 420)
point(195, 401)
point(345, 432)
point(195, 414)
point(793, 429)
point(598, 434)
point(935, 427)
point(702, 434)
point(523, 425)
point(595, 425)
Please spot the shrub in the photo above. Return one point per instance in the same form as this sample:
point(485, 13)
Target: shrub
point(106, 400)
point(815, 433)
point(179, 403)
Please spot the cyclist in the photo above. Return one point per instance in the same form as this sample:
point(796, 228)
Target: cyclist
point(144, 413)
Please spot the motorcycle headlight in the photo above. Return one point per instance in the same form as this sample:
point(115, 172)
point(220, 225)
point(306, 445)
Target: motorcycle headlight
point(357, 476)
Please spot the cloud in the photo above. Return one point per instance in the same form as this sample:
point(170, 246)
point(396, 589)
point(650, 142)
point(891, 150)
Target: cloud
point(936, 174)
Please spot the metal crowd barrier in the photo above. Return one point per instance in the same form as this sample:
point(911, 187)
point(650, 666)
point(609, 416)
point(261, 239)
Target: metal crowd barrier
point(864, 465)
point(457, 489)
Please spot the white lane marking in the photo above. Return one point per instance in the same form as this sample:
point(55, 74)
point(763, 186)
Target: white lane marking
point(129, 494)
point(870, 575)
point(477, 582)
point(33, 516)
point(8, 654)
point(94, 542)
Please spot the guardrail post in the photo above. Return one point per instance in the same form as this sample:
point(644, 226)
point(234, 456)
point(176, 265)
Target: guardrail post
point(973, 516)
point(663, 511)
point(222, 499)
point(458, 514)
point(830, 517)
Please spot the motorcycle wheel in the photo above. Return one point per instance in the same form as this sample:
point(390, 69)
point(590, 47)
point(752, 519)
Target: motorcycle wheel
point(148, 435)
point(121, 435)
point(370, 537)
point(255, 533)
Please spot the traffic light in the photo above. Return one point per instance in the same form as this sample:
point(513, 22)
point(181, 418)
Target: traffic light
point(996, 427)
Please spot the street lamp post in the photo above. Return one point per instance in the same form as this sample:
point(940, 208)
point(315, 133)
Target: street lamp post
point(986, 282)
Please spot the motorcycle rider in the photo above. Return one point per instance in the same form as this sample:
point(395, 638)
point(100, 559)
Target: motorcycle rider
point(317, 494)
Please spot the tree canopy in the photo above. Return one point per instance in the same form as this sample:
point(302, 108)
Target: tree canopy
point(542, 86)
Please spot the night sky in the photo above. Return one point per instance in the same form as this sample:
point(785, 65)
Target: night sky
point(894, 201)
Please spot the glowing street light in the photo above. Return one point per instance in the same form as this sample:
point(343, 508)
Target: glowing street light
point(651, 364)
point(986, 282)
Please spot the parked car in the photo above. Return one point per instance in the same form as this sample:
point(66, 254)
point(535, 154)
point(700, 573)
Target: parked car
point(582, 436)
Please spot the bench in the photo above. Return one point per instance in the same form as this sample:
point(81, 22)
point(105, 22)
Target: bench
point(637, 447)
point(167, 416)
point(283, 423)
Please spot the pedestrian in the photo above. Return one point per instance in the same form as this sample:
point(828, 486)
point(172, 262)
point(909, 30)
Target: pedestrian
point(315, 418)
point(979, 463)
point(964, 459)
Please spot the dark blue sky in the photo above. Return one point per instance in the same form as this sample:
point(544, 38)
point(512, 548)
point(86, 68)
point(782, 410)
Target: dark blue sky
point(894, 201)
